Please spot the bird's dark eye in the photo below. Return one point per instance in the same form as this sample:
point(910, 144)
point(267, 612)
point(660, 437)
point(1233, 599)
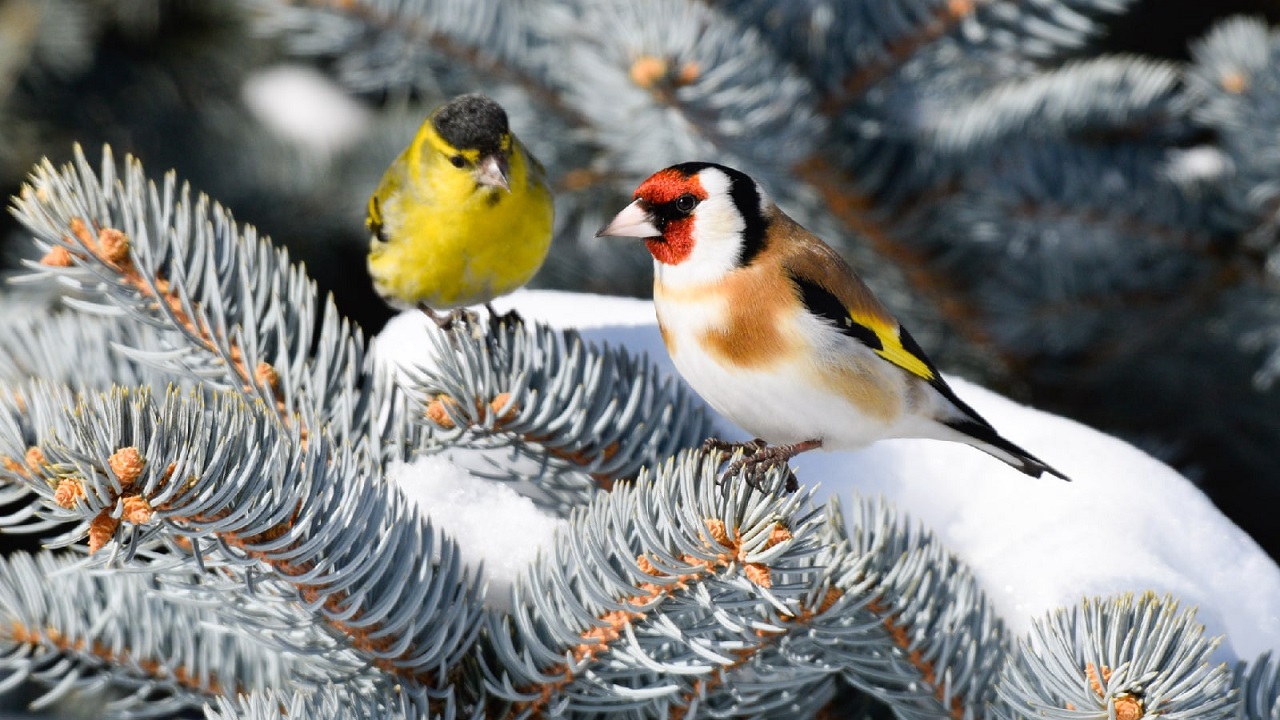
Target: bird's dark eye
point(685, 203)
point(458, 161)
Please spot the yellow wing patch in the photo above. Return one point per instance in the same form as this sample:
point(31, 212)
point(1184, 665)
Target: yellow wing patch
point(898, 355)
point(906, 355)
point(876, 330)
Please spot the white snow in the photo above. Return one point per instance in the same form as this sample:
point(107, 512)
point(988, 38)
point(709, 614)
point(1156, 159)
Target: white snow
point(491, 522)
point(302, 105)
point(1127, 523)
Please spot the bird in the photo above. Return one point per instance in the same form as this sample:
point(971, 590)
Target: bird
point(464, 213)
point(776, 331)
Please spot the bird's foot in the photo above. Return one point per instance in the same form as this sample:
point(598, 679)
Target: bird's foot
point(727, 447)
point(446, 321)
point(511, 317)
point(757, 464)
point(749, 449)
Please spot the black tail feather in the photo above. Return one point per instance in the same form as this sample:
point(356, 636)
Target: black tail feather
point(990, 442)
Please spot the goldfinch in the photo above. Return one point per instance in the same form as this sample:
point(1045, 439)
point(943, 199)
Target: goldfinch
point(462, 216)
point(778, 334)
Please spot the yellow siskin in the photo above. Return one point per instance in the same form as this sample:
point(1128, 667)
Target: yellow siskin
point(462, 216)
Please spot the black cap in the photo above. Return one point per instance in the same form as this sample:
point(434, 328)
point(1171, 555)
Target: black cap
point(472, 122)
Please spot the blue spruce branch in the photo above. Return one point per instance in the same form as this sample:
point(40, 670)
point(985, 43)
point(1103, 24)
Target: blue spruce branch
point(568, 405)
point(942, 644)
point(72, 631)
point(1258, 685)
point(1124, 657)
point(250, 318)
point(268, 510)
point(657, 594)
point(329, 703)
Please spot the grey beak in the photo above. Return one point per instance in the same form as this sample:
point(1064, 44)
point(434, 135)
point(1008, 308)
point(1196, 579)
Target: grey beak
point(633, 221)
point(492, 171)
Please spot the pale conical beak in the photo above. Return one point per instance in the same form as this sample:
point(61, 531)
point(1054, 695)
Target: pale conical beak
point(492, 171)
point(633, 221)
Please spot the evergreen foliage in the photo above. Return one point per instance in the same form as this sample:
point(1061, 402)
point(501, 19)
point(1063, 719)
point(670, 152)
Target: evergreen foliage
point(241, 538)
point(207, 467)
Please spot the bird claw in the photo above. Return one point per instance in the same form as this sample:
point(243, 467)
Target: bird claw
point(726, 447)
point(757, 466)
point(756, 460)
point(511, 317)
point(446, 321)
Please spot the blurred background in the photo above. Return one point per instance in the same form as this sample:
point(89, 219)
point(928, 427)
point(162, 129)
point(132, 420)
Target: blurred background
point(1075, 202)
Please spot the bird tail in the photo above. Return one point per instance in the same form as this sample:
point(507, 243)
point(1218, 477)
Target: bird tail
point(986, 439)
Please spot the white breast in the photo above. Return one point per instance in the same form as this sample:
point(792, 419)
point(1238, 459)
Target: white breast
point(792, 399)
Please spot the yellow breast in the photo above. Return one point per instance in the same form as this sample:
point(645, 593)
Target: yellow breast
point(450, 243)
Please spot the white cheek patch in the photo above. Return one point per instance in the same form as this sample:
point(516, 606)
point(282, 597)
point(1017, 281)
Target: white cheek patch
point(717, 234)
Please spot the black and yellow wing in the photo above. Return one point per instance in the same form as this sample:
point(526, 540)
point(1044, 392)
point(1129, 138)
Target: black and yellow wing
point(880, 333)
point(829, 289)
point(860, 316)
